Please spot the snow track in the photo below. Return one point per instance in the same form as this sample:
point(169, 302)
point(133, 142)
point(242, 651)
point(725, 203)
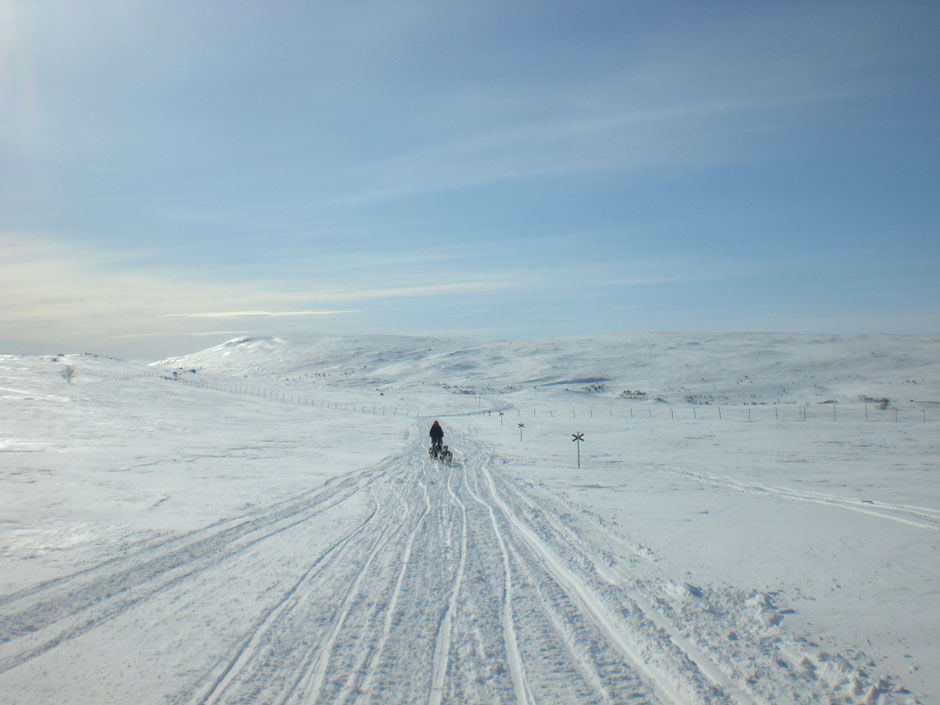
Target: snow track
point(413, 582)
point(910, 515)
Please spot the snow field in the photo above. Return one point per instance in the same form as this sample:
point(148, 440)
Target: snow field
point(171, 543)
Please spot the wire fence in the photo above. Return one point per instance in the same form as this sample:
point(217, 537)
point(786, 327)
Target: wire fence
point(265, 392)
point(879, 411)
point(922, 412)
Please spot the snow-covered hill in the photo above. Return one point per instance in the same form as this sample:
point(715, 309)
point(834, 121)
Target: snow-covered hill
point(265, 525)
point(678, 368)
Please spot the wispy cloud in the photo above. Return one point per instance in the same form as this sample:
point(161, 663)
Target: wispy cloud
point(255, 314)
point(196, 334)
point(469, 285)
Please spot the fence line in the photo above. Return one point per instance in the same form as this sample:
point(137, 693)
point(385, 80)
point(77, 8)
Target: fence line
point(913, 412)
point(748, 413)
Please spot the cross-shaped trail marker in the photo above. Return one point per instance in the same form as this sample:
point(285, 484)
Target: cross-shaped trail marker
point(578, 438)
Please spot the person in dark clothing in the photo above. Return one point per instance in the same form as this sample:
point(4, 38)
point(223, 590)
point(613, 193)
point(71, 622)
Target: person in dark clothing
point(437, 436)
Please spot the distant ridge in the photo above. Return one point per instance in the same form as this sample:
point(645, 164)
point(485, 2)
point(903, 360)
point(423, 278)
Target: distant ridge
point(704, 368)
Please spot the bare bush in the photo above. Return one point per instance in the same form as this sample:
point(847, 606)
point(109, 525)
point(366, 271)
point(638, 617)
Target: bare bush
point(882, 403)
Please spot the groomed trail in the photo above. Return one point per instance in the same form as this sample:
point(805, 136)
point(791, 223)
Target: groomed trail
point(413, 582)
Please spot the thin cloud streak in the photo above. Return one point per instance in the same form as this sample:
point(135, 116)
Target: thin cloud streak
point(424, 290)
point(197, 334)
point(255, 314)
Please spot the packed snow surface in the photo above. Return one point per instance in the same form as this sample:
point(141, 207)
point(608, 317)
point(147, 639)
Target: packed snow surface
point(755, 520)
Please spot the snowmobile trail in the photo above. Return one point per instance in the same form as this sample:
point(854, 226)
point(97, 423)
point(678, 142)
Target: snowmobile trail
point(412, 582)
point(442, 645)
point(520, 687)
point(41, 618)
point(910, 515)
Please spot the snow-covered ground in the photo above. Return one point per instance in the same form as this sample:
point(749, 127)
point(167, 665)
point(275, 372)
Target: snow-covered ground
point(756, 519)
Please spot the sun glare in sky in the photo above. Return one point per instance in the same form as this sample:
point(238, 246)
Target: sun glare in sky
point(172, 173)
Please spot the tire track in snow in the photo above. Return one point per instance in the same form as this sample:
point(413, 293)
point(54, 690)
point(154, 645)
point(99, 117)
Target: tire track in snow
point(761, 664)
point(112, 596)
point(355, 611)
point(442, 643)
point(309, 685)
point(87, 599)
point(584, 667)
point(160, 545)
point(288, 649)
point(554, 530)
point(589, 603)
point(516, 670)
point(919, 517)
point(246, 652)
point(363, 664)
point(376, 653)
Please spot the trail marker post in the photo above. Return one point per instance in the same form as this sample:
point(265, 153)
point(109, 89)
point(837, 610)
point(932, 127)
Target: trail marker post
point(521, 426)
point(578, 439)
point(501, 414)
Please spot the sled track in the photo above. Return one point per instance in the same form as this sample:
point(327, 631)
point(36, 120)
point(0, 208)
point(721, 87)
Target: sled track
point(910, 515)
point(413, 582)
point(44, 616)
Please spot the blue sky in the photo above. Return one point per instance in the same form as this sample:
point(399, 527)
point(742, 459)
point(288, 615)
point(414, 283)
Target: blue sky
point(173, 174)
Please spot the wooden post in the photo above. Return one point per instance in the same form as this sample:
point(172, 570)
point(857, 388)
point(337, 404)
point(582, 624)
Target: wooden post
point(577, 439)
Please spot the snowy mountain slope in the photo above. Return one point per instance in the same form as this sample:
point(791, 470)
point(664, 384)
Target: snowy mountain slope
point(699, 368)
point(191, 541)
